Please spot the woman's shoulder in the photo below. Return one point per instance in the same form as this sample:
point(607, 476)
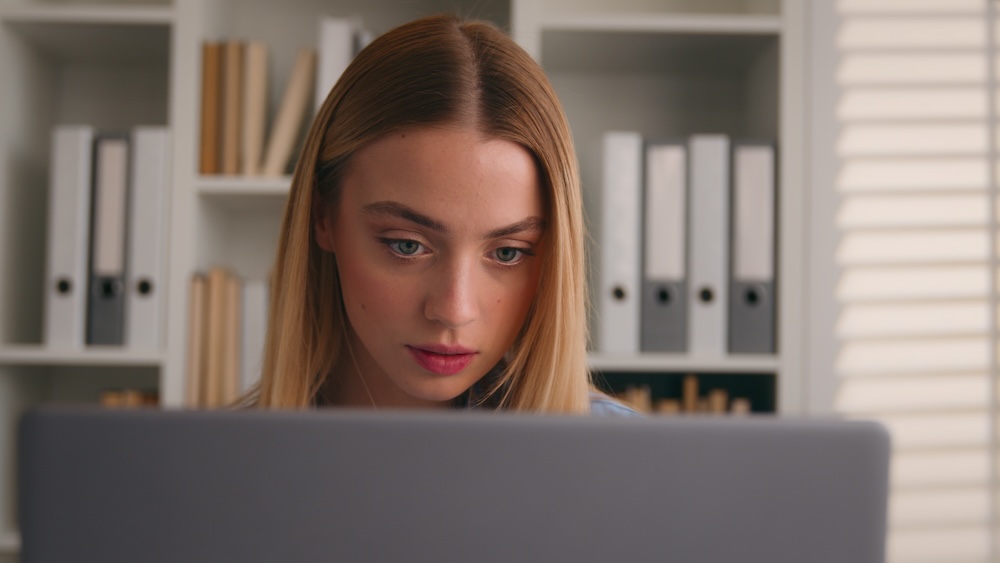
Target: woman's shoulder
point(603, 405)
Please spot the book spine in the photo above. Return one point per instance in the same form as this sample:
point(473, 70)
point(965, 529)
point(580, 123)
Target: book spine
point(254, 106)
point(232, 109)
point(211, 68)
point(288, 123)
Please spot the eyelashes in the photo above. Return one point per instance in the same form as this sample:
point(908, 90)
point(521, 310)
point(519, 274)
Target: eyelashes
point(408, 250)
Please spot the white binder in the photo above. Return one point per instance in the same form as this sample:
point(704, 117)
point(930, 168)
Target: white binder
point(752, 295)
point(68, 230)
point(664, 292)
point(621, 238)
point(337, 40)
point(709, 220)
point(146, 286)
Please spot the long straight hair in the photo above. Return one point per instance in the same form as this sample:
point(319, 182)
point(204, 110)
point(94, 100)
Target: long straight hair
point(434, 71)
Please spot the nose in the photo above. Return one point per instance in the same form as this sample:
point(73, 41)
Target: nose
point(452, 298)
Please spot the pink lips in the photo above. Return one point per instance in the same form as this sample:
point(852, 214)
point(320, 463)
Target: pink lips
point(441, 359)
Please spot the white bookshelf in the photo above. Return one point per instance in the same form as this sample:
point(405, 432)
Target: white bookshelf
point(662, 67)
point(669, 69)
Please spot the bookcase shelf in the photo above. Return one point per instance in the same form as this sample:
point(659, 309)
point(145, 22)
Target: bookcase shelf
point(75, 14)
point(683, 363)
point(239, 186)
point(108, 356)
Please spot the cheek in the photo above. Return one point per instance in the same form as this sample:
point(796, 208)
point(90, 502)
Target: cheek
point(369, 295)
point(513, 303)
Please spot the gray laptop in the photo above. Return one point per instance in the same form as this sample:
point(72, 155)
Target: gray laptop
point(128, 486)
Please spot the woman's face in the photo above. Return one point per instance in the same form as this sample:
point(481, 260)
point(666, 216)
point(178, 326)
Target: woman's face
point(437, 240)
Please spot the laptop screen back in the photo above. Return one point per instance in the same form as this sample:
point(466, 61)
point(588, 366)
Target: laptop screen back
point(119, 486)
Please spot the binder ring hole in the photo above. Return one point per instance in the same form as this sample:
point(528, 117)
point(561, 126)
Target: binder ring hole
point(754, 295)
point(110, 288)
point(706, 295)
point(619, 293)
point(145, 287)
point(63, 286)
point(663, 296)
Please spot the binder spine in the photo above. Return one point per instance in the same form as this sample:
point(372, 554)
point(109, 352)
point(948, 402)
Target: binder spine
point(752, 287)
point(68, 228)
point(336, 50)
point(620, 243)
point(664, 291)
point(147, 238)
point(709, 264)
point(106, 296)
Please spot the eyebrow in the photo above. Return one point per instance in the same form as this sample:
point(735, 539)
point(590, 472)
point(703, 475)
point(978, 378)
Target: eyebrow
point(400, 211)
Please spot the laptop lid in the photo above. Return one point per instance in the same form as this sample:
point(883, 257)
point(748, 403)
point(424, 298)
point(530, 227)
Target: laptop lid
point(338, 485)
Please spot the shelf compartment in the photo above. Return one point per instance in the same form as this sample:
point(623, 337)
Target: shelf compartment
point(95, 34)
point(757, 388)
point(735, 8)
point(239, 231)
point(668, 51)
point(709, 24)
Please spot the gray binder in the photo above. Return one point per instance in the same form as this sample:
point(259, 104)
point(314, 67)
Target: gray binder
point(752, 283)
point(106, 295)
point(664, 279)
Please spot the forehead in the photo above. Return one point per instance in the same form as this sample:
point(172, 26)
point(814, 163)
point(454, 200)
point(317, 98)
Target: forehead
point(456, 175)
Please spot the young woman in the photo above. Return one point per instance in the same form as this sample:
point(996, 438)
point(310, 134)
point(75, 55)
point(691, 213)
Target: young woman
point(431, 252)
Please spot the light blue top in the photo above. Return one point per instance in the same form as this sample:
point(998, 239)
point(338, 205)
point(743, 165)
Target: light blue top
point(603, 405)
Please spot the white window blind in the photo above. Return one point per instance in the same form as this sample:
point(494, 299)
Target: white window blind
point(913, 337)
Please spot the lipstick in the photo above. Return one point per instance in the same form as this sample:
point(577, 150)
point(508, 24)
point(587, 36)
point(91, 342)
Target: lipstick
point(442, 359)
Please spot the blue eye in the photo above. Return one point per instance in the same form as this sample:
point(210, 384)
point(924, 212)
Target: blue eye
point(406, 247)
point(508, 254)
point(403, 247)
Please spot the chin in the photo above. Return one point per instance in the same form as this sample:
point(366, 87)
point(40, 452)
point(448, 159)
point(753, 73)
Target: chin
point(439, 391)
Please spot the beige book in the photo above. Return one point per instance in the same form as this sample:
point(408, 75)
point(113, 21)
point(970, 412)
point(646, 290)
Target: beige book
point(232, 108)
point(132, 398)
point(231, 347)
point(254, 106)
point(718, 401)
point(288, 123)
point(640, 397)
point(211, 101)
point(668, 406)
point(193, 385)
point(740, 406)
point(690, 396)
point(215, 356)
point(112, 398)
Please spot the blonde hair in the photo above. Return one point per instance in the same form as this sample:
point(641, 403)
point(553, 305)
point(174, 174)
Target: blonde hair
point(433, 71)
